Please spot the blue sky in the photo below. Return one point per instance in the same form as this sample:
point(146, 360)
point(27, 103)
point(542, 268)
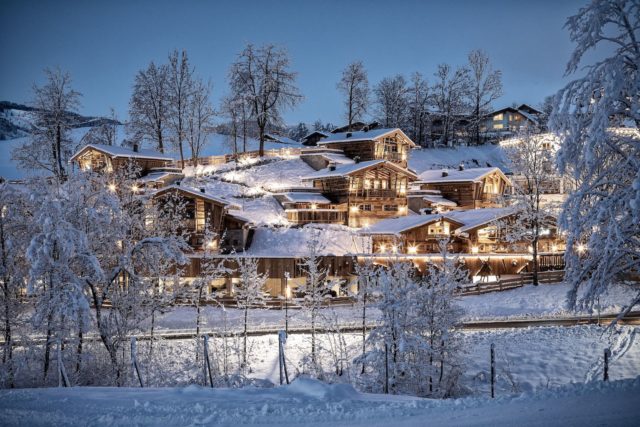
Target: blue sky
point(103, 44)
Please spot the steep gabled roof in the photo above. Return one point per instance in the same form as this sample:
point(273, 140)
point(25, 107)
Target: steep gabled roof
point(456, 175)
point(395, 226)
point(358, 136)
point(122, 152)
point(474, 218)
point(349, 169)
point(196, 193)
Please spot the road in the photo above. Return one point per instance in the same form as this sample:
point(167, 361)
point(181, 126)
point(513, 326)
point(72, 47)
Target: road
point(632, 318)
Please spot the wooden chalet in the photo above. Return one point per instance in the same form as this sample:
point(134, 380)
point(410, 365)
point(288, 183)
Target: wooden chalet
point(202, 211)
point(376, 144)
point(475, 231)
point(468, 188)
point(369, 191)
point(108, 158)
point(511, 119)
point(311, 140)
point(413, 234)
point(310, 206)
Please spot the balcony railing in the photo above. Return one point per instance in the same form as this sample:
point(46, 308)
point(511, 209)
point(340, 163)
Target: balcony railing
point(389, 194)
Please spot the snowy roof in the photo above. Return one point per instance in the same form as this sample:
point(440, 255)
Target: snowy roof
point(325, 134)
point(116, 151)
point(281, 139)
point(456, 175)
point(439, 200)
point(474, 218)
point(197, 193)
point(346, 170)
point(362, 136)
point(158, 176)
point(400, 224)
point(299, 197)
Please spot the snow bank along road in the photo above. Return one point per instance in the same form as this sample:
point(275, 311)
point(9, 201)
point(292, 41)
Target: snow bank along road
point(309, 402)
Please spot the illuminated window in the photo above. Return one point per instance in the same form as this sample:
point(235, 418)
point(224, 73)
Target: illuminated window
point(365, 208)
point(498, 117)
point(498, 126)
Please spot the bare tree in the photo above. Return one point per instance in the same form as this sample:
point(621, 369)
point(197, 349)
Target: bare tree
point(450, 92)
point(262, 77)
point(180, 86)
point(149, 106)
point(50, 146)
point(199, 119)
point(486, 87)
point(392, 101)
point(354, 85)
point(106, 133)
point(237, 110)
point(418, 95)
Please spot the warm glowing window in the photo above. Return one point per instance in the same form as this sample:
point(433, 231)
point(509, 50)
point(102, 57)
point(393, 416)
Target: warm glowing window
point(498, 117)
point(498, 126)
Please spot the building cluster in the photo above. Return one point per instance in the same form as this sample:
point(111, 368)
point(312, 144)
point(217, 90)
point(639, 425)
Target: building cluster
point(361, 180)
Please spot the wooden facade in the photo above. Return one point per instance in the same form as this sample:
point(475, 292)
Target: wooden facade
point(369, 194)
point(203, 212)
point(393, 146)
point(483, 192)
point(101, 158)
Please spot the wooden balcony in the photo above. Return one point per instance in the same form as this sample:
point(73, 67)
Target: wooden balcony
point(376, 193)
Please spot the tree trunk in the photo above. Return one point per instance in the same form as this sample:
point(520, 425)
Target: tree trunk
point(244, 348)
point(364, 328)
point(79, 349)
point(106, 340)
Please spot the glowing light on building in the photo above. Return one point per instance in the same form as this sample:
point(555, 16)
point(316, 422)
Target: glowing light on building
point(402, 209)
point(474, 249)
point(135, 188)
point(354, 209)
point(314, 206)
point(412, 249)
point(581, 248)
point(382, 248)
point(112, 188)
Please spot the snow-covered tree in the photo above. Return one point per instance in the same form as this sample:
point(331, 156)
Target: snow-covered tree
point(392, 101)
point(105, 133)
point(449, 96)
point(437, 317)
point(415, 350)
point(602, 215)
point(50, 145)
point(354, 86)
point(262, 77)
point(367, 284)
point(532, 162)
point(486, 87)
point(149, 106)
point(16, 226)
point(315, 290)
point(249, 294)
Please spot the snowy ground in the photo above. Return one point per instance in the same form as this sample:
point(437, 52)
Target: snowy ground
point(308, 402)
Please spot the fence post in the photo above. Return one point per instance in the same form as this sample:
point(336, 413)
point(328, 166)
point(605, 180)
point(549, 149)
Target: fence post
point(386, 368)
point(607, 355)
point(134, 360)
point(282, 339)
point(493, 370)
point(207, 362)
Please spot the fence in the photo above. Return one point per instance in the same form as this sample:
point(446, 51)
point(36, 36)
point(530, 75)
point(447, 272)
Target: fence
point(219, 160)
point(506, 284)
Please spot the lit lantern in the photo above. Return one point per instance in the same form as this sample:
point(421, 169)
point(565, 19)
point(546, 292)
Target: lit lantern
point(135, 188)
point(581, 248)
point(314, 206)
point(474, 249)
point(394, 249)
point(412, 249)
point(402, 210)
point(112, 188)
point(382, 248)
point(554, 248)
point(353, 209)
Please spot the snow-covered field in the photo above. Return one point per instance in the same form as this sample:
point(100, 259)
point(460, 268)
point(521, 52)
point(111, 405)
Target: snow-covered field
point(308, 402)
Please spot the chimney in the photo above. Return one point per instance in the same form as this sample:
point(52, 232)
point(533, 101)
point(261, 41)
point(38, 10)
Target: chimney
point(356, 159)
point(461, 166)
point(349, 134)
point(202, 190)
point(365, 129)
point(178, 183)
point(135, 148)
point(332, 166)
point(445, 172)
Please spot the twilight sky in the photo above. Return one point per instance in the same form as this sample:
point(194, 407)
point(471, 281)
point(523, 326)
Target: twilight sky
point(103, 43)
